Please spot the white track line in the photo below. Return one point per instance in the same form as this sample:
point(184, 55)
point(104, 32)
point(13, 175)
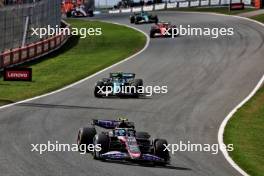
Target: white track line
point(221, 129)
point(85, 79)
point(230, 115)
point(224, 123)
point(220, 135)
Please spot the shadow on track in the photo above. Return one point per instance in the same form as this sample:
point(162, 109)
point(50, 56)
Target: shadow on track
point(148, 165)
point(53, 106)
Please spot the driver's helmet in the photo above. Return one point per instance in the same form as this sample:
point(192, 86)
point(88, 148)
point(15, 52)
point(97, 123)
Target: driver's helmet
point(122, 124)
point(120, 132)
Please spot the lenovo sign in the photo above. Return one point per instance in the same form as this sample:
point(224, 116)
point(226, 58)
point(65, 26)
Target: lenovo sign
point(18, 74)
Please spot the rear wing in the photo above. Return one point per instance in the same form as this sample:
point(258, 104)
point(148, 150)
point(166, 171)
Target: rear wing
point(126, 75)
point(112, 124)
point(107, 124)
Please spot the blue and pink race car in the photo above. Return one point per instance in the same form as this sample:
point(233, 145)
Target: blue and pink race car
point(120, 141)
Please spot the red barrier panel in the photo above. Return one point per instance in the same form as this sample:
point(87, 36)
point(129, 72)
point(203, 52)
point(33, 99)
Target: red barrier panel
point(45, 45)
point(24, 53)
point(62, 38)
point(39, 48)
point(16, 55)
point(31, 51)
point(58, 40)
point(7, 58)
point(52, 42)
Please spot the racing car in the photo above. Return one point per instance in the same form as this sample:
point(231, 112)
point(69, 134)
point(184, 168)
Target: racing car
point(162, 29)
point(79, 11)
point(143, 17)
point(118, 84)
point(120, 141)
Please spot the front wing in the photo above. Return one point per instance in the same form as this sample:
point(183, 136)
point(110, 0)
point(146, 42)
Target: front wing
point(116, 155)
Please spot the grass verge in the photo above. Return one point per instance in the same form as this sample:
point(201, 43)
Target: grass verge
point(77, 59)
point(222, 10)
point(259, 18)
point(245, 131)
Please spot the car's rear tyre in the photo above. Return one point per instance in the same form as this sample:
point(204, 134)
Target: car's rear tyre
point(136, 84)
point(132, 19)
point(137, 19)
point(159, 147)
point(98, 85)
point(103, 141)
point(68, 14)
point(142, 135)
point(90, 13)
point(152, 34)
point(85, 137)
point(156, 19)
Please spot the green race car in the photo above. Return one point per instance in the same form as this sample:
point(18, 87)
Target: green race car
point(143, 17)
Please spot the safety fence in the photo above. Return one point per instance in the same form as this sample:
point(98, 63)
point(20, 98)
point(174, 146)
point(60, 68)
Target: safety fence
point(179, 4)
point(16, 21)
point(17, 2)
point(32, 51)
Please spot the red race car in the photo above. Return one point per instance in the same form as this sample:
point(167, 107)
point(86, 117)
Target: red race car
point(162, 29)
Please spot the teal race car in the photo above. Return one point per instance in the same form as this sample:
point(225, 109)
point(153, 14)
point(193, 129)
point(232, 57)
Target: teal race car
point(118, 84)
point(143, 17)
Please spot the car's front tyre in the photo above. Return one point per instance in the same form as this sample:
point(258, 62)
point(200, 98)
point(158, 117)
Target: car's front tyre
point(85, 137)
point(97, 88)
point(159, 150)
point(103, 141)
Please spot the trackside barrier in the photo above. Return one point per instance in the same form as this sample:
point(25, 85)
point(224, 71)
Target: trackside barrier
point(171, 5)
point(45, 45)
point(225, 2)
point(136, 9)
point(247, 2)
point(205, 3)
point(6, 57)
point(24, 53)
point(58, 40)
point(15, 55)
point(184, 4)
point(114, 11)
point(214, 2)
point(179, 4)
point(148, 8)
point(125, 10)
point(39, 48)
point(32, 51)
point(194, 3)
point(159, 6)
point(52, 43)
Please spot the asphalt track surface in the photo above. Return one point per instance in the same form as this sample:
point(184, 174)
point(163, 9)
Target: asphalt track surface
point(206, 78)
